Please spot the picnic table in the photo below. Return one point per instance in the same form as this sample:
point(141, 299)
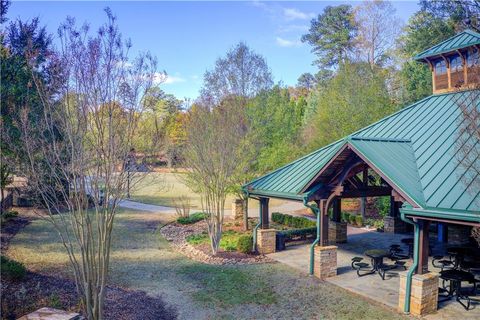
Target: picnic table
point(377, 256)
point(456, 277)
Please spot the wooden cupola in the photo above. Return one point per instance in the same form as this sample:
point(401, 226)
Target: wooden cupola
point(455, 62)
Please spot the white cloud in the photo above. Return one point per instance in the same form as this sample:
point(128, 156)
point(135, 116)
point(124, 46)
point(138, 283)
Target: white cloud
point(288, 43)
point(174, 79)
point(295, 14)
point(164, 78)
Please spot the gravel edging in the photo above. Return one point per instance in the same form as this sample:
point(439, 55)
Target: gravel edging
point(177, 235)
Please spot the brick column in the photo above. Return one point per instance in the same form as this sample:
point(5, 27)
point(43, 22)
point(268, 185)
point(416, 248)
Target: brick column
point(266, 241)
point(394, 225)
point(325, 262)
point(424, 293)
point(237, 209)
point(337, 232)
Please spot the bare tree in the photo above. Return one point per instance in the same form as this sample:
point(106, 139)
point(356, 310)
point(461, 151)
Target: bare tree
point(211, 158)
point(182, 206)
point(77, 158)
point(241, 73)
point(378, 27)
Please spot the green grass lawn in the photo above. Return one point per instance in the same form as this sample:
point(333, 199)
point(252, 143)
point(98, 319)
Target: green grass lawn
point(164, 188)
point(142, 260)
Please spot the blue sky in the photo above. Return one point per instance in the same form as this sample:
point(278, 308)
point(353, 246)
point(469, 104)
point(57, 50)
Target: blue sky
point(187, 37)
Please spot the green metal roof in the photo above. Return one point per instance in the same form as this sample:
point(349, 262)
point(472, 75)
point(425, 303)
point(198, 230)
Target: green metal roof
point(464, 39)
point(288, 181)
point(396, 160)
point(414, 147)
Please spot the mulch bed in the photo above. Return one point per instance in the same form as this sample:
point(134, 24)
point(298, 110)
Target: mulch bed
point(177, 234)
point(35, 290)
point(38, 290)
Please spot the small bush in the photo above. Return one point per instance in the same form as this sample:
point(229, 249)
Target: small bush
point(359, 220)
point(351, 219)
point(379, 224)
point(245, 244)
point(12, 269)
point(193, 218)
point(346, 217)
point(197, 238)
point(292, 221)
point(383, 205)
point(278, 217)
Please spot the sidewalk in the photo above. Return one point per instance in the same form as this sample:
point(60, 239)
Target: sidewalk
point(289, 207)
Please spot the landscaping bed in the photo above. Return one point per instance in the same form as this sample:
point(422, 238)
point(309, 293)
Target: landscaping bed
point(24, 291)
point(192, 240)
point(36, 290)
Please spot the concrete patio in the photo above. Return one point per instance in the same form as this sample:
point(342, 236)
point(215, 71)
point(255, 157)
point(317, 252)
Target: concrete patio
point(370, 286)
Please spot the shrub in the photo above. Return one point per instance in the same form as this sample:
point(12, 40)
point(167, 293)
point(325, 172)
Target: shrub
point(245, 244)
point(292, 221)
point(359, 220)
point(351, 219)
point(197, 238)
point(278, 217)
point(193, 218)
point(383, 205)
point(345, 217)
point(12, 269)
point(379, 224)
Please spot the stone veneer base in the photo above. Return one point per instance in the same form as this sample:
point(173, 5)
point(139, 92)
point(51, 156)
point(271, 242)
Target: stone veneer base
point(266, 241)
point(325, 262)
point(424, 293)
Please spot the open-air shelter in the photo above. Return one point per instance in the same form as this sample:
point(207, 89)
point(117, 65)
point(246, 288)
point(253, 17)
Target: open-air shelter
point(417, 152)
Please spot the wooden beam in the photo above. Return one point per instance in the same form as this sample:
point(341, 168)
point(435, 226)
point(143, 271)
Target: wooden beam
point(372, 191)
point(423, 247)
point(337, 209)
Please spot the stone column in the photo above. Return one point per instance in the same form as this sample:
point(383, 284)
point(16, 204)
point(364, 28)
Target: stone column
point(237, 209)
point(337, 232)
point(392, 222)
point(325, 262)
point(266, 241)
point(424, 293)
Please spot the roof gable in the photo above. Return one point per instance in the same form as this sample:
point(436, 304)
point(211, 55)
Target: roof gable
point(461, 40)
point(394, 159)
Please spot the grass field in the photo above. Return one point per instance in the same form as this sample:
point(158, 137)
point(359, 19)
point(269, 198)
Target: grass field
point(142, 260)
point(163, 188)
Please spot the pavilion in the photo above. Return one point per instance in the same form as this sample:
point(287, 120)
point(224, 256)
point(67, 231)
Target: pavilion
point(416, 153)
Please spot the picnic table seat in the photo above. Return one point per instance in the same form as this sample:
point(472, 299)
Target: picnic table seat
point(439, 261)
point(360, 266)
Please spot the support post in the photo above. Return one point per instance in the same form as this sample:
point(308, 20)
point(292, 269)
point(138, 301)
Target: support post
point(422, 267)
point(265, 237)
point(337, 209)
point(264, 212)
point(323, 224)
point(337, 230)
